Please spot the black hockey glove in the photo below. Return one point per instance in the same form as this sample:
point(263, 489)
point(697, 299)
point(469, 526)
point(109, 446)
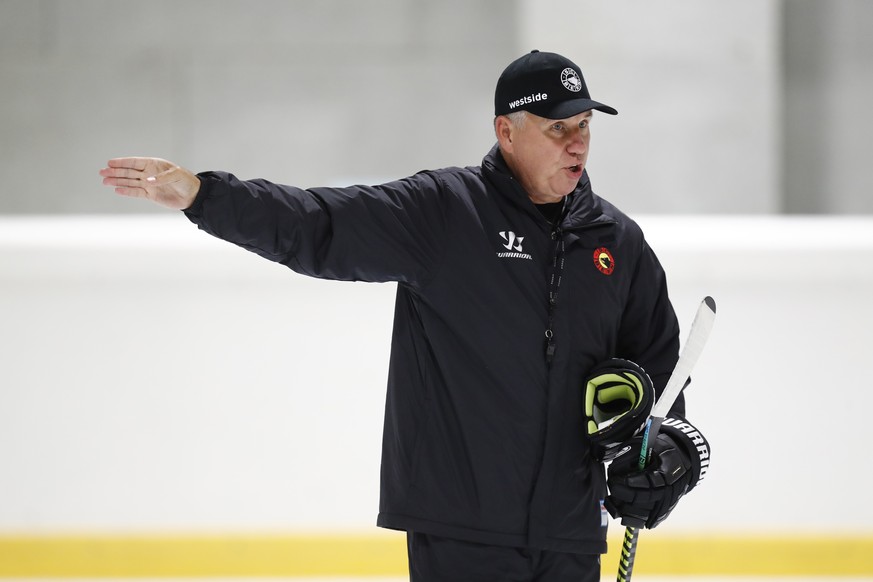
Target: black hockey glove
point(617, 400)
point(678, 462)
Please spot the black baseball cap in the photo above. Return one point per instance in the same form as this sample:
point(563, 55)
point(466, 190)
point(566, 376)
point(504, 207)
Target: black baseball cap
point(545, 84)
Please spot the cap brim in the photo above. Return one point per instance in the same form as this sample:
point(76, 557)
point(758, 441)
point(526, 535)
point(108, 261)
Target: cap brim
point(566, 109)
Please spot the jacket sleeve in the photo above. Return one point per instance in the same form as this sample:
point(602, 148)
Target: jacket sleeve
point(649, 332)
point(389, 232)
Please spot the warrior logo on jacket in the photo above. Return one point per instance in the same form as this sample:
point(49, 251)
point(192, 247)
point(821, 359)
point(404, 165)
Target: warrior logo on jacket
point(511, 242)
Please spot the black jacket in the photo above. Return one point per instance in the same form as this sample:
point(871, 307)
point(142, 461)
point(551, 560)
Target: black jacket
point(483, 438)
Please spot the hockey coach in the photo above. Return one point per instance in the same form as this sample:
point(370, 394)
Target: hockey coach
point(532, 331)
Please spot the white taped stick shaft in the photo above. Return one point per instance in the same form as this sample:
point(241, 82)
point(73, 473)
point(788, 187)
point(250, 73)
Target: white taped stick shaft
point(694, 344)
point(697, 336)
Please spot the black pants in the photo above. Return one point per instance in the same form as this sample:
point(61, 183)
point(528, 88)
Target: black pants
point(438, 559)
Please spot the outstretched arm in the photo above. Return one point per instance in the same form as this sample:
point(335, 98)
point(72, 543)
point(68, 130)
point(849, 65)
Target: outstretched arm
point(158, 180)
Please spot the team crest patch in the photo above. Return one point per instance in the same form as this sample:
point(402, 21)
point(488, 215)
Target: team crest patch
point(604, 261)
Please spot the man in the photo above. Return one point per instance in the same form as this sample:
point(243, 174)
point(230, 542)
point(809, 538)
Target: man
point(514, 282)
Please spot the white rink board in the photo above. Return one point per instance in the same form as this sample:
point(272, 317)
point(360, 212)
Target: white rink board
point(156, 379)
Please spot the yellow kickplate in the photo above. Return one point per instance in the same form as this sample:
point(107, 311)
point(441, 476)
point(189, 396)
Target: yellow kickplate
point(219, 556)
point(235, 555)
point(737, 555)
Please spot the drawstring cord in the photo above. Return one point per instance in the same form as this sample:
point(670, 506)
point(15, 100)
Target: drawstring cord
point(557, 272)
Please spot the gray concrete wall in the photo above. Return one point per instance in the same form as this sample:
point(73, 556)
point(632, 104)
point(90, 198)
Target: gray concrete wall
point(752, 106)
point(696, 85)
point(298, 91)
point(828, 68)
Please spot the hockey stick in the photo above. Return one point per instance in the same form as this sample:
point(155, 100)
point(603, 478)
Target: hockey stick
point(697, 336)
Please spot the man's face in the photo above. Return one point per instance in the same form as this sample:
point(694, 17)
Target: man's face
point(546, 155)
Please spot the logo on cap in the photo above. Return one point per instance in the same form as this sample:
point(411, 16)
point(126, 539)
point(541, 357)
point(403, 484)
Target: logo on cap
point(571, 80)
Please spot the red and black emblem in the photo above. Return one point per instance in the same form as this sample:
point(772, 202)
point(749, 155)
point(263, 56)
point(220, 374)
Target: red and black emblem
point(604, 261)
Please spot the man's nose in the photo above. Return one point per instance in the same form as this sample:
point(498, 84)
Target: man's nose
point(576, 142)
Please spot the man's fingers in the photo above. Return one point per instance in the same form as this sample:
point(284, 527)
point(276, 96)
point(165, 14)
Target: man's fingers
point(123, 182)
point(133, 163)
point(121, 173)
point(151, 170)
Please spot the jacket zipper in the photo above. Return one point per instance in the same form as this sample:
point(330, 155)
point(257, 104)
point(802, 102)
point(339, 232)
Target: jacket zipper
point(555, 277)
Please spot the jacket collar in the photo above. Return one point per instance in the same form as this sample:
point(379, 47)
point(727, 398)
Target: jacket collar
point(582, 207)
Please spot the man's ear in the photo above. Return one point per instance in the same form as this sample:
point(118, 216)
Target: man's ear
point(505, 131)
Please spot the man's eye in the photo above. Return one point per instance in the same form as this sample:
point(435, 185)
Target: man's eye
point(583, 124)
point(558, 127)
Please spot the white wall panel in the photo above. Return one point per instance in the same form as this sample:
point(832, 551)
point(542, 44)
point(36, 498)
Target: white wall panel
point(155, 378)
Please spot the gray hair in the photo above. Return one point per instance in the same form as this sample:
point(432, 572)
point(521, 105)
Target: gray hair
point(518, 118)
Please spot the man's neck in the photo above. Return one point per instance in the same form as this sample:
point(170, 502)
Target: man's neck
point(551, 211)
